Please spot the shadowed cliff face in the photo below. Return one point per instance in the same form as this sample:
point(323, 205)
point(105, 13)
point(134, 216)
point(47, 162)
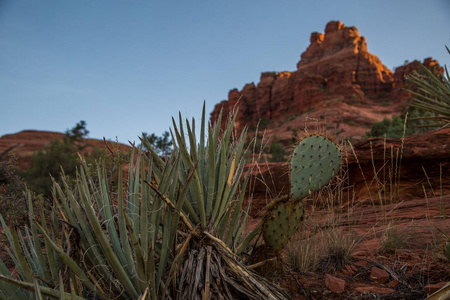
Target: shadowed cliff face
point(337, 82)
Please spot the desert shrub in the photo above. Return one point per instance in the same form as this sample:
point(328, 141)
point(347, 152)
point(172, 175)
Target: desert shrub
point(277, 152)
point(12, 191)
point(395, 126)
point(390, 128)
point(47, 163)
point(161, 144)
point(303, 255)
point(339, 247)
point(393, 238)
point(264, 123)
point(57, 156)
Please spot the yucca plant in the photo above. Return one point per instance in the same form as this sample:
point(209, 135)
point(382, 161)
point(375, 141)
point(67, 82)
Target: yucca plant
point(170, 232)
point(433, 95)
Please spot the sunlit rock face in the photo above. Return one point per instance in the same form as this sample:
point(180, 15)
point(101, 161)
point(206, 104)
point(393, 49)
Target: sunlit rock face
point(336, 66)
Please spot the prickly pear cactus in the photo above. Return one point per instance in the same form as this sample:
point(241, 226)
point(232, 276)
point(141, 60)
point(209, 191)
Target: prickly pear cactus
point(315, 161)
point(282, 220)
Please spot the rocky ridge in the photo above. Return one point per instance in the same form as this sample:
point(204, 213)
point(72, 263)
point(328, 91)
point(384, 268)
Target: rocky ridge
point(25, 143)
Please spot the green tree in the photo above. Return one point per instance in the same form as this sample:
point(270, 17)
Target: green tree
point(49, 162)
point(78, 133)
point(161, 144)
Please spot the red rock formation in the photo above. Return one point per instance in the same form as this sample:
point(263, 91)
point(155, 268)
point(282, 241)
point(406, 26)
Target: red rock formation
point(23, 144)
point(341, 58)
point(336, 67)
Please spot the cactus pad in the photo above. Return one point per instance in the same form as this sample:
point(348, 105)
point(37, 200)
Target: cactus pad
point(315, 161)
point(283, 218)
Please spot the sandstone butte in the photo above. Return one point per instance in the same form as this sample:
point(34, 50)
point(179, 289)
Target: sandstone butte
point(338, 85)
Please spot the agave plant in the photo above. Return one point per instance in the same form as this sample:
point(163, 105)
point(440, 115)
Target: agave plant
point(171, 230)
point(433, 95)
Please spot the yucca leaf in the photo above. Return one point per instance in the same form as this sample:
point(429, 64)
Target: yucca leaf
point(210, 178)
point(8, 290)
point(52, 261)
point(241, 225)
point(30, 252)
point(133, 194)
point(61, 287)
point(220, 186)
point(36, 241)
point(249, 238)
point(93, 251)
point(232, 229)
point(165, 247)
point(69, 262)
point(229, 192)
point(140, 264)
point(201, 146)
point(44, 290)
point(102, 239)
point(123, 233)
point(158, 160)
point(20, 255)
point(106, 208)
point(433, 95)
point(198, 198)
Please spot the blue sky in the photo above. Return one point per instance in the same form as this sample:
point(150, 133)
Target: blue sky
point(128, 66)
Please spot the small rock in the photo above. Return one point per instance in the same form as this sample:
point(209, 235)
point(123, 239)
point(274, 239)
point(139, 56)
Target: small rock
point(393, 284)
point(335, 284)
point(349, 270)
point(362, 263)
point(379, 275)
point(432, 288)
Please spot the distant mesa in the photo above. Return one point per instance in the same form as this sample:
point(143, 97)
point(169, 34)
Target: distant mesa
point(337, 71)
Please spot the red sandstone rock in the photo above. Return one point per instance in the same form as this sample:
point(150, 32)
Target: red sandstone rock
point(393, 284)
point(426, 151)
point(362, 263)
point(349, 270)
point(337, 79)
point(335, 284)
point(379, 275)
